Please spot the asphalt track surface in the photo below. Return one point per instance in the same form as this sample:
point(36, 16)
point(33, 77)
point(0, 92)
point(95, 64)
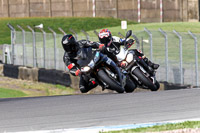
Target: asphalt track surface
point(80, 111)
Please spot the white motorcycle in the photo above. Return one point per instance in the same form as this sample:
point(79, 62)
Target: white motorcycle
point(142, 76)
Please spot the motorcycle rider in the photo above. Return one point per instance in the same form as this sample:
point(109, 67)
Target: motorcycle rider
point(111, 44)
point(73, 49)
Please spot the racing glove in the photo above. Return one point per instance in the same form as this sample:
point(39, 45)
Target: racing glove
point(78, 72)
point(101, 46)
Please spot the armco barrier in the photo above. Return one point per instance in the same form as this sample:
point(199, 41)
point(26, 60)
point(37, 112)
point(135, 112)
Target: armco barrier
point(57, 76)
point(10, 71)
point(47, 76)
point(63, 78)
point(28, 73)
point(54, 76)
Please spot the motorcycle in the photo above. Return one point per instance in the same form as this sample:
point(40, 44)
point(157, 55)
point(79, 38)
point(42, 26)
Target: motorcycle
point(142, 74)
point(101, 69)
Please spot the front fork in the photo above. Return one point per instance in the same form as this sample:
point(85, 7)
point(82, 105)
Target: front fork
point(121, 76)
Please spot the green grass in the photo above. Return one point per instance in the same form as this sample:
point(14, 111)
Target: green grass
point(166, 127)
point(168, 26)
point(76, 23)
point(89, 25)
point(8, 93)
point(62, 87)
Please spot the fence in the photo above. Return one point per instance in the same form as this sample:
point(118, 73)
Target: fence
point(177, 53)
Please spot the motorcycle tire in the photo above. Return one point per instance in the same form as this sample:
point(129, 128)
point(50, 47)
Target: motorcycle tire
point(157, 84)
point(146, 81)
point(113, 85)
point(130, 86)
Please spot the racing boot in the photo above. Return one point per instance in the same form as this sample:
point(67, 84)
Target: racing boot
point(83, 89)
point(87, 87)
point(155, 66)
point(151, 64)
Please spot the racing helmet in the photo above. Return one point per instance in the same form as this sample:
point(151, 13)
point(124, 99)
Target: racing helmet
point(69, 43)
point(105, 37)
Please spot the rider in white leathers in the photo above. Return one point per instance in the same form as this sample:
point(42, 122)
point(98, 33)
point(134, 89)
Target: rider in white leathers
point(111, 46)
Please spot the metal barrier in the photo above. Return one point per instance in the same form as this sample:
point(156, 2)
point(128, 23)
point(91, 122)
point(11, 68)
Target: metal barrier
point(137, 40)
point(175, 52)
point(23, 43)
point(96, 33)
point(34, 46)
point(76, 35)
point(180, 56)
point(196, 57)
point(86, 34)
point(13, 37)
point(166, 54)
point(55, 48)
point(44, 47)
point(61, 30)
point(151, 44)
point(121, 35)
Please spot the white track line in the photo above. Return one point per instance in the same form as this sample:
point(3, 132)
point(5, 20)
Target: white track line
point(106, 128)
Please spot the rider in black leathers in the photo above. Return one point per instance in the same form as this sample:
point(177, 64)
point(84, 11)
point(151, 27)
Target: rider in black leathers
point(73, 49)
point(110, 45)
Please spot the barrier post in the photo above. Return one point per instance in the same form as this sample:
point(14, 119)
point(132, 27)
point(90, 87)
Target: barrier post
point(96, 33)
point(151, 45)
point(55, 48)
point(180, 55)
point(86, 34)
point(13, 38)
point(34, 46)
point(121, 35)
point(166, 54)
point(44, 47)
point(137, 40)
point(62, 31)
point(196, 57)
point(76, 35)
point(23, 44)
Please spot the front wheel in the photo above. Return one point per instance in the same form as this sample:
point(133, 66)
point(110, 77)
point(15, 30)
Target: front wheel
point(113, 85)
point(157, 84)
point(145, 81)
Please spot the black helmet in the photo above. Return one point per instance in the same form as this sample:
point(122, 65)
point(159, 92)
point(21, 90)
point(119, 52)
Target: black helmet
point(69, 43)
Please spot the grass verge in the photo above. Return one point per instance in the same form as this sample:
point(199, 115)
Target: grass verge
point(166, 127)
point(8, 93)
point(31, 89)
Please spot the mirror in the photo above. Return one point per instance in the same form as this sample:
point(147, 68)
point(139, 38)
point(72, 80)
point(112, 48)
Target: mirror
point(128, 34)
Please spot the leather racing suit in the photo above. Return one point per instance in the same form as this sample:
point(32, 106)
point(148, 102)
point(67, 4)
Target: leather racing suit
point(70, 60)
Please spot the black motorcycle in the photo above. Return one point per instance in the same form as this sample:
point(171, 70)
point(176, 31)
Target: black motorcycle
point(98, 67)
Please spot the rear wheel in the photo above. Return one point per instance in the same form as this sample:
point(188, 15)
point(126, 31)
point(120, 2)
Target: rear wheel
point(113, 85)
point(146, 81)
